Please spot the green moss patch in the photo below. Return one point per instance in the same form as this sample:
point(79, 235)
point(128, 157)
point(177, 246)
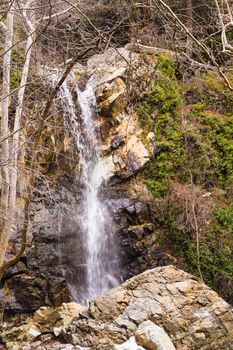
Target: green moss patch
point(158, 113)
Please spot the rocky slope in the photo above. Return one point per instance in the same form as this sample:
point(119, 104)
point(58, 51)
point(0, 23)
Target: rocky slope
point(163, 308)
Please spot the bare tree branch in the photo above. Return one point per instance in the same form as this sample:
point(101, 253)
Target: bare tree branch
point(3, 26)
point(204, 48)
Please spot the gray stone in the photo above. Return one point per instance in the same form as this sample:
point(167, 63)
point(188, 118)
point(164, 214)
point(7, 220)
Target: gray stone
point(136, 312)
point(129, 345)
point(34, 332)
point(117, 142)
point(153, 337)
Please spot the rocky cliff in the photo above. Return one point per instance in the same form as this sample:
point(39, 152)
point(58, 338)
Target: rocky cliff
point(39, 272)
point(163, 308)
point(149, 195)
point(52, 237)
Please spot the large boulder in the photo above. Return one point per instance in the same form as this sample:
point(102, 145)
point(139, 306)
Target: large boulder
point(161, 309)
point(130, 344)
point(192, 315)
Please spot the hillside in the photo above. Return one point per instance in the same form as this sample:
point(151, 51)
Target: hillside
point(116, 158)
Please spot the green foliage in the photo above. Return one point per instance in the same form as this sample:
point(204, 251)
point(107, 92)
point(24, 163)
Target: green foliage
point(16, 68)
point(203, 147)
point(210, 89)
point(15, 79)
point(158, 113)
point(217, 252)
point(210, 82)
point(228, 101)
point(208, 152)
point(216, 249)
point(166, 65)
point(210, 147)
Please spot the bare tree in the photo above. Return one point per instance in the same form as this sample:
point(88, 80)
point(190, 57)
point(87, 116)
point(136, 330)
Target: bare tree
point(226, 23)
point(202, 49)
point(12, 166)
point(4, 128)
point(189, 48)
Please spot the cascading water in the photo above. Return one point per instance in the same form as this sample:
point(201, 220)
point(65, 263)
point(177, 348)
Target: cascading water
point(94, 219)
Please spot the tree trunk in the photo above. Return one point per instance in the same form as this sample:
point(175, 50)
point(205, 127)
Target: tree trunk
point(16, 134)
point(14, 152)
point(146, 11)
point(4, 127)
point(189, 12)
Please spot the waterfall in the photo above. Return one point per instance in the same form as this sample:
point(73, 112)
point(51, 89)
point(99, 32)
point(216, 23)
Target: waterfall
point(94, 219)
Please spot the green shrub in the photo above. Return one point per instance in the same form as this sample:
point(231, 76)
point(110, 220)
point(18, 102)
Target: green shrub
point(210, 147)
point(216, 250)
point(210, 89)
point(200, 144)
point(159, 114)
point(217, 253)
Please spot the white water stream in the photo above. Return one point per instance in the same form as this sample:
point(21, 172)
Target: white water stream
point(95, 224)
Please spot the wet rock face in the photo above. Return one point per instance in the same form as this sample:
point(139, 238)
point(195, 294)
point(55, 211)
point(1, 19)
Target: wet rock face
point(23, 287)
point(38, 278)
point(163, 308)
point(137, 236)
